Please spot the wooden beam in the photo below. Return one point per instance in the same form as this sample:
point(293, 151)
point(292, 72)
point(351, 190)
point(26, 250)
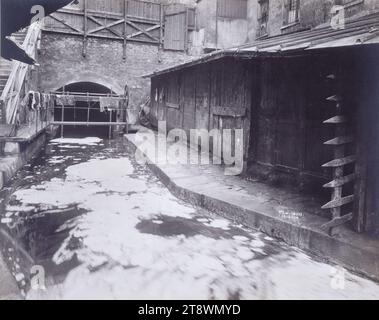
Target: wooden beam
point(125, 30)
point(85, 124)
point(340, 141)
point(340, 162)
point(173, 105)
point(85, 28)
point(341, 181)
point(335, 98)
point(99, 36)
point(337, 203)
point(107, 27)
point(229, 112)
point(66, 24)
point(336, 120)
point(110, 16)
point(337, 222)
point(141, 30)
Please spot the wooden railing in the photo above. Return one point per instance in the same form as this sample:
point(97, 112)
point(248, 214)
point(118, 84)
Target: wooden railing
point(17, 83)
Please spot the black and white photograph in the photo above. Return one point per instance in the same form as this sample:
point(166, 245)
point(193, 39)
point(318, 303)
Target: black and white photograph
point(189, 150)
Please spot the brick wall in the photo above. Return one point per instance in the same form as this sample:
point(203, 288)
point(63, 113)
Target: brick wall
point(62, 63)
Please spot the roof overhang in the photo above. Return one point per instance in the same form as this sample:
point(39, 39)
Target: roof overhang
point(356, 33)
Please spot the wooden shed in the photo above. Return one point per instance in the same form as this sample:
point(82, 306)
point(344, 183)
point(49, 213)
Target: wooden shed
point(307, 105)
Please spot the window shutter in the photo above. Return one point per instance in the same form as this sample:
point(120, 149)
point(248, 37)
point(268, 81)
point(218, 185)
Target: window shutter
point(286, 8)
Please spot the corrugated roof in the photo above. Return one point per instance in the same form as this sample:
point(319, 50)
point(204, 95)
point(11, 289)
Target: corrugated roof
point(362, 31)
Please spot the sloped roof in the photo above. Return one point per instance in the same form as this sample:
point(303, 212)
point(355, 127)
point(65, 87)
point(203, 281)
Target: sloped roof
point(362, 31)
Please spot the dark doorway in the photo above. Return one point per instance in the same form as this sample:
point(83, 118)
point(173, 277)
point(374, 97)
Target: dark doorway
point(85, 111)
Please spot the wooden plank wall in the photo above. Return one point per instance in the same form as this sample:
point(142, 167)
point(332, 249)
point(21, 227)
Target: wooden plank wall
point(284, 103)
point(211, 96)
point(366, 217)
point(288, 116)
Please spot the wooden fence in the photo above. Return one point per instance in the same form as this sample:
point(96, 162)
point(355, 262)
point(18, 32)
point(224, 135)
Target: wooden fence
point(125, 20)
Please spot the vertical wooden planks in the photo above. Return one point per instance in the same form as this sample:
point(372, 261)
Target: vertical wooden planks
point(188, 100)
point(176, 28)
point(202, 97)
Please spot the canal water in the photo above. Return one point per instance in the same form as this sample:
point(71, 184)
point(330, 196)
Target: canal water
point(101, 226)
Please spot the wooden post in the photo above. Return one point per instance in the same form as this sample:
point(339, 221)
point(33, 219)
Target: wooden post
point(338, 164)
point(37, 110)
point(125, 28)
point(88, 111)
point(217, 13)
point(110, 124)
point(62, 127)
point(186, 32)
point(161, 23)
point(85, 29)
point(3, 118)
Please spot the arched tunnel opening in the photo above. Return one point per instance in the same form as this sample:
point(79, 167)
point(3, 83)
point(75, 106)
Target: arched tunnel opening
point(87, 110)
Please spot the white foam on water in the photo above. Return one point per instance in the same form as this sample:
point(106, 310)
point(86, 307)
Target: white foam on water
point(120, 262)
point(89, 141)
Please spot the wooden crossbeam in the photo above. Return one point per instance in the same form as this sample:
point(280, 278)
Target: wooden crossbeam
point(341, 181)
point(100, 36)
point(340, 141)
point(337, 222)
point(109, 15)
point(335, 98)
point(66, 24)
point(340, 162)
point(105, 26)
point(133, 35)
point(337, 203)
point(141, 30)
point(229, 112)
point(336, 120)
point(84, 123)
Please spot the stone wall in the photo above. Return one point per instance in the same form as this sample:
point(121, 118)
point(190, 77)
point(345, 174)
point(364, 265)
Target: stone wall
point(62, 63)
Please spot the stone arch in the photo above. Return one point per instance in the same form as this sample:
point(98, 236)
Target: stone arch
point(103, 80)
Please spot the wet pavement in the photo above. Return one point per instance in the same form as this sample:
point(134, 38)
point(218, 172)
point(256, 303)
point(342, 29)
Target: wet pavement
point(103, 227)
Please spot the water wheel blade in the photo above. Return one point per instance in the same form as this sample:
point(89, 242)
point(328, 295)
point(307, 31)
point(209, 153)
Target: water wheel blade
point(341, 181)
point(340, 162)
point(336, 98)
point(337, 222)
point(336, 120)
point(338, 202)
point(340, 141)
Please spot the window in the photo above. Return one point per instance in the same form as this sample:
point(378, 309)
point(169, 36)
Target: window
point(292, 11)
point(263, 18)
